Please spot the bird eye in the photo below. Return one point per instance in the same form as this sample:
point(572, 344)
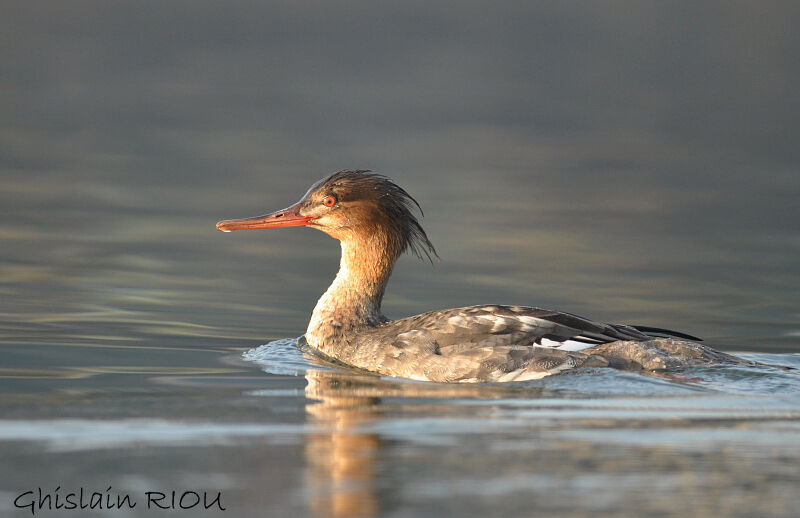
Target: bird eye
point(329, 201)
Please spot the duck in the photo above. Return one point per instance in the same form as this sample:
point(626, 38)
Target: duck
point(375, 221)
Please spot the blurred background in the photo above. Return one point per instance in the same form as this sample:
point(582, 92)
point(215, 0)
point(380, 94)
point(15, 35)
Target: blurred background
point(634, 162)
point(629, 161)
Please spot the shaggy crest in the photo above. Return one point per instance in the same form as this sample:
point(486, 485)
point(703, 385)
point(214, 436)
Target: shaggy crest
point(391, 199)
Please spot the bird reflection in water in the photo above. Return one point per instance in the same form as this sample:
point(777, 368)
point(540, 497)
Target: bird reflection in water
point(343, 477)
point(340, 462)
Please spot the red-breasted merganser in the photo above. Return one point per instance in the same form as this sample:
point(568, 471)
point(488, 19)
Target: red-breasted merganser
point(373, 219)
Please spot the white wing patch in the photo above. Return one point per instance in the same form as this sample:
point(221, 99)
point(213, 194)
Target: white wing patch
point(566, 345)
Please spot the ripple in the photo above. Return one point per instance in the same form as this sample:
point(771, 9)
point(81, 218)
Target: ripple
point(61, 435)
point(284, 357)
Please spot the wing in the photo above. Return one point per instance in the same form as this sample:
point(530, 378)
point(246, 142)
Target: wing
point(417, 355)
point(485, 344)
point(494, 326)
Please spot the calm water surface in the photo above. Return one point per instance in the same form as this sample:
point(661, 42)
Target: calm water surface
point(130, 359)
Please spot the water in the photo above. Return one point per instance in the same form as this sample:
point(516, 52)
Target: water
point(633, 165)
point(275, 428)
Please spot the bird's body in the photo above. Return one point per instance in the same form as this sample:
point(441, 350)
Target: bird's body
point(372, 218)
point(469, 344)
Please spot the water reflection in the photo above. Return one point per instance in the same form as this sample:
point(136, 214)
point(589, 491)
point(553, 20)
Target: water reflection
point(341, 472)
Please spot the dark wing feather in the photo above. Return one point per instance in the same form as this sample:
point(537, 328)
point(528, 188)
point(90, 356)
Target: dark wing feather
point(496, 325)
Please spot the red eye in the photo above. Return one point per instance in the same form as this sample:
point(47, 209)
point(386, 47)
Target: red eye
point(329, 201)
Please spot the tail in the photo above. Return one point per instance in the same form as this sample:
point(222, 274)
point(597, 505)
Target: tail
point(657, 332)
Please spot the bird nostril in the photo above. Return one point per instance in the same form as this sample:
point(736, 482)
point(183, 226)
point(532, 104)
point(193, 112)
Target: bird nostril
point(279, 215)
